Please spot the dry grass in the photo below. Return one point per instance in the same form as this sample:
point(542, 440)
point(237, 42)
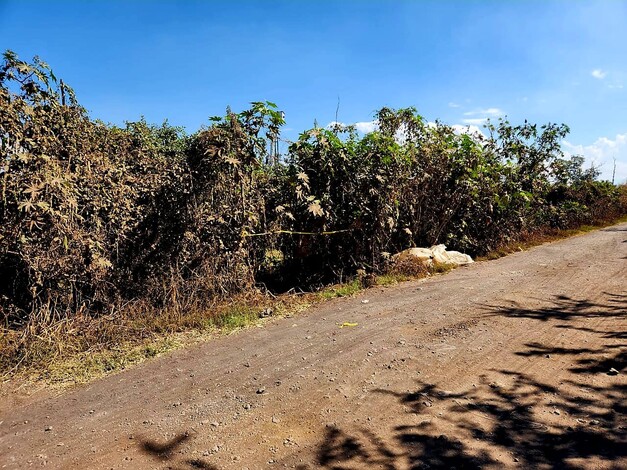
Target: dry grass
point(529, 240)
point(81, 349)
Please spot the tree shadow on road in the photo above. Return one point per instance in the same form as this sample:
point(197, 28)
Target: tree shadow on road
point(509, 418)
point(490, 425)
point(564, 308)
point(166, 453)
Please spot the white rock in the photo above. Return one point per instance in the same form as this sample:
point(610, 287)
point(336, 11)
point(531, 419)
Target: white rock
point(424, 255)
point(437, 254)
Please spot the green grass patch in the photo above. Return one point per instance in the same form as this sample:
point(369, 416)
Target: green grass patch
point(341, 290)
point(392, 279)
point(86, 366)
point(236, 317)
point(441, 268)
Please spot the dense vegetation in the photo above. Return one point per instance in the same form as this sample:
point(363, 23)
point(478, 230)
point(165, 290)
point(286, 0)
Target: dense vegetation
point(96, 217)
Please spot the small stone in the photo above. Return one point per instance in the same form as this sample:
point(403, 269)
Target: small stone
point(48, 428)
point(365, 301)
point(214, 424)
point(247, 406)
point(261, 390)
point(427, 403)
point(556, 412)
point(548, 356)
point(275, 420)
point(612, 371)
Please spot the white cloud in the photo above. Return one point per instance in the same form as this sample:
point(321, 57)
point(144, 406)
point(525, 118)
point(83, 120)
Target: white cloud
point(601, 154)
point(366, 127)
point(470, 130)
point(485, 112)
point(460, 128)
point(335, 123)
point(475, 121)
point(453, 105)
point(598, 74)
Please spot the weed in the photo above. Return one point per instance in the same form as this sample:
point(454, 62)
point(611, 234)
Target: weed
point(341, 290)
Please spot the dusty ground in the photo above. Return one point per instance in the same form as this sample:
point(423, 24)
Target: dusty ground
point(505, 363)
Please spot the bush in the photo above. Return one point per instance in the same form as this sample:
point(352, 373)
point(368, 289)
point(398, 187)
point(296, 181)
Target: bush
point(95, 216)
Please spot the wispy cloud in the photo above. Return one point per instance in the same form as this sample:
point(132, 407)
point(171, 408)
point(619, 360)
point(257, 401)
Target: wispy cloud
point(598, 74)
point(475, 121)
point(484, 112)
point(453, 105)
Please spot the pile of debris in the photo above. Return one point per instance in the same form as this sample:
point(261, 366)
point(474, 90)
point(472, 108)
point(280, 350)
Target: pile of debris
point(435, 255)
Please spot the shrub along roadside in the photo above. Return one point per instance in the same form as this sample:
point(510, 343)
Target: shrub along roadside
point(70, 353)
point(145, 223)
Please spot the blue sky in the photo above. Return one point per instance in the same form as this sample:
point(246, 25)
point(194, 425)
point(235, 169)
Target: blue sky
point(457, 61)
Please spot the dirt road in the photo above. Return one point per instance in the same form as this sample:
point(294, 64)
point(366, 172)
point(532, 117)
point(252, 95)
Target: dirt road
point(518, 362)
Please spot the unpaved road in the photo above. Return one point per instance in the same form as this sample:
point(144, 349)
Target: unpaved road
point(501, 364)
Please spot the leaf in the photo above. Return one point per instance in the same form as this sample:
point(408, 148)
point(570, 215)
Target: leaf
point(25, 206)
point(103, 262)
point(348, 324)
point(233, 161)
point(43, 205)
point(315, 209)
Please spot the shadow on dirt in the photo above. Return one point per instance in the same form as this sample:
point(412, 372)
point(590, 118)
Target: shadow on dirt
point(565, 308)
point(166, 453)
point(508, 418)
